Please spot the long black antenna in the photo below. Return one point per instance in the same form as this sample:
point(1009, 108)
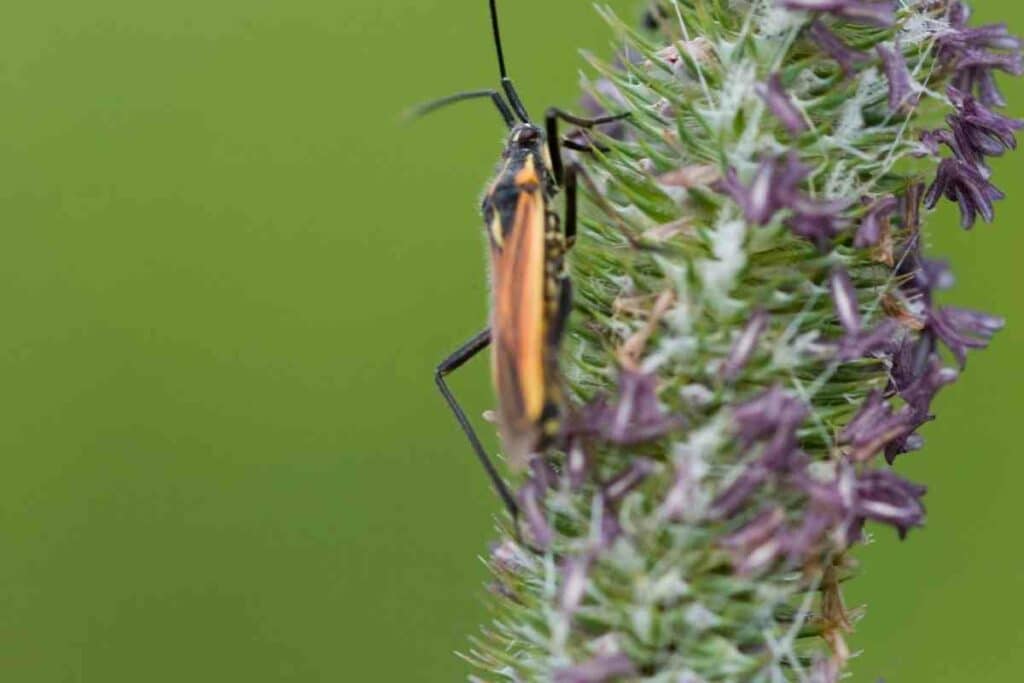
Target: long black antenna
point(497, 39)
point(506, 82)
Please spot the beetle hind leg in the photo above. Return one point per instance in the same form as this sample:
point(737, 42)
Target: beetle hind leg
point(460, 357)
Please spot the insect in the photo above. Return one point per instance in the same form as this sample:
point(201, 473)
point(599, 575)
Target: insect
point(530, 290)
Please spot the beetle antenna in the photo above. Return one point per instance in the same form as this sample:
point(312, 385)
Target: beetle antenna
point(506, 82)
point(497, 40)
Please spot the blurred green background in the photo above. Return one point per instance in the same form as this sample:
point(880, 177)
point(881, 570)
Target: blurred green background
point(227, 272)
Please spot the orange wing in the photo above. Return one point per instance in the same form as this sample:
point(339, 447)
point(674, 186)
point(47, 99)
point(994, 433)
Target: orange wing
point(518, 326)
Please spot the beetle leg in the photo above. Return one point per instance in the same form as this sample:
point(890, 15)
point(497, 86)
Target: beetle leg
point(551, 118)
point(463, 354)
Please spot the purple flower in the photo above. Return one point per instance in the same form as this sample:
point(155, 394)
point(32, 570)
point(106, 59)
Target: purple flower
point(817, 221)
point(597, 670)
point(875, 426)
point(635, 416)
point(901, 93)
point(918, 377)
point(873, 225)
point(744, 346)
point(908, 442)
point(800, 542)
point(781, 453)
point(844, 296)
point(975, 132)
point(910, 361)
point(735, 496)
point(961, 182)
point(852, 498)
point(864, 343)
point(974, 74)
point(974, 53)
point(772, 416)
point(768, 412)
point(774, 187)
point(932, 140)
point(781, 104)
point(854, 11)
point(847, 57)
point(961, 329)
point(884, 497)
point(627, 480)
point(978, 131)
point(756, 545)
point(857, 342)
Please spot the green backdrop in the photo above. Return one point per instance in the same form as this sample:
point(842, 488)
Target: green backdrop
point(226, 274)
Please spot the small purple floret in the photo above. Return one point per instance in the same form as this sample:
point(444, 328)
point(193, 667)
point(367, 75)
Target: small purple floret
point(844, 296)
point(773, 417)
point(916, 381)
point(781, 104)
point(630, 478)
point(767, 413)
point(884, 497)
point(735, 496)
point(856, 342)
point(817, 220)
point(757, 545)
point(977, 131)
point(775, 186)
point(852, 498)
point(974, 53)
point(901, 92)
point(875, 426)
point(800, 542)
point(872, 225)
point(917, 376)
point(744, 346)
point(636, 415)
point(864, 343)
point(847, 57)
point(961, 329)
point(961, 182)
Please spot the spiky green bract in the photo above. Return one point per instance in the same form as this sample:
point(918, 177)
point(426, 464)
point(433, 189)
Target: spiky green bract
point(663, 580)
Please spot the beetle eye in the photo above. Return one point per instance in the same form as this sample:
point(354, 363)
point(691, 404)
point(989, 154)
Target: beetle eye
point(527, 135)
